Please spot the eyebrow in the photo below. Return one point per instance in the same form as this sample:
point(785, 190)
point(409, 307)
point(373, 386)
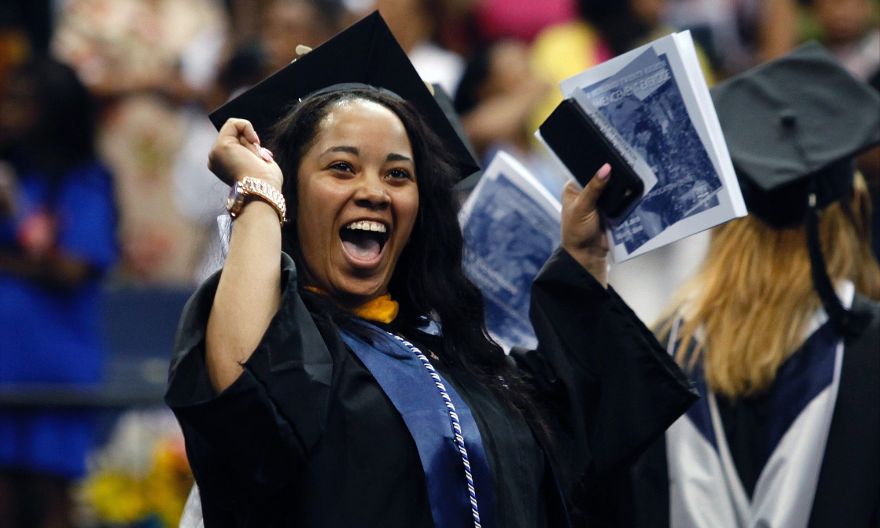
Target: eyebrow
point(354, 150)
point(343, 148)
point(397, 157)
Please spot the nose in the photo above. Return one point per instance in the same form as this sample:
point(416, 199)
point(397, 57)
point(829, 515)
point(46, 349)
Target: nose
point(371, 194)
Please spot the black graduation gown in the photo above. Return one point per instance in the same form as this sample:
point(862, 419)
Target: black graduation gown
point(305, 436)
point(848, 489)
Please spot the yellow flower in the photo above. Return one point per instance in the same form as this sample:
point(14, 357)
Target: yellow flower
point(115, 497)
point(168, 482)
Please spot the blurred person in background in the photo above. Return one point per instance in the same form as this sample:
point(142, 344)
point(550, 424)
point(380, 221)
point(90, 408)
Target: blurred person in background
point(604, 29)
point(737, 34)
point(29, 19)
point(148, 63)
point(414, 24)
point(289, 23)
point(850, 30)
point(14, 42)
point(504, 19)
point(496, 97)
point(57, 240)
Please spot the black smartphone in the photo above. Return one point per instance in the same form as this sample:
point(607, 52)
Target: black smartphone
point(583, 149)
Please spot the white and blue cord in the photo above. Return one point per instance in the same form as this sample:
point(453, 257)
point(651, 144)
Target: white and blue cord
point(456, 426)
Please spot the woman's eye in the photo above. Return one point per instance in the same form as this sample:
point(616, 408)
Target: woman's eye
point(399, 174)
point(341, 166)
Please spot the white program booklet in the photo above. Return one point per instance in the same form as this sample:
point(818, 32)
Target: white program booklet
point(656, 100)
point(510, 225)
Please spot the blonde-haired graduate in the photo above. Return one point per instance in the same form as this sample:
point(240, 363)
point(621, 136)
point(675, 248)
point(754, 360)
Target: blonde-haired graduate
point(780, 330)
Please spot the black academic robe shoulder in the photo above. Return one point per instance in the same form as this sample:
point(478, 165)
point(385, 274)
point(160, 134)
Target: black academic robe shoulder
point(305, 436)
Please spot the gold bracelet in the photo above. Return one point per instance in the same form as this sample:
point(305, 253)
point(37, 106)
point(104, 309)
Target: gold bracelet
point(249, 188)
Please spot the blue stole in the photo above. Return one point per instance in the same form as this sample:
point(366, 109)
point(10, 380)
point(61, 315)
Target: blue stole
point(413, 393)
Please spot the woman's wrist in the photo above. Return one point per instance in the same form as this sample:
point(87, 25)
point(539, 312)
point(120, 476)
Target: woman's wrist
point(251, 189)
point(272, 179)
point(595, 264)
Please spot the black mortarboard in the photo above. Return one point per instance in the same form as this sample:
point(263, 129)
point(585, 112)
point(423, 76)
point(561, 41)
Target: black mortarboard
point(466, 185)
point(365, 53)
point(793, 127)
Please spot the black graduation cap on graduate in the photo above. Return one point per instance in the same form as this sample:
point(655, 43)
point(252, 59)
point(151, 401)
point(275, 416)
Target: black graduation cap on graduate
point(365, 53)
point(793, 127)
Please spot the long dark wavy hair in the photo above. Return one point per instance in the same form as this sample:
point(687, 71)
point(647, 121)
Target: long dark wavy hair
point(428, 281)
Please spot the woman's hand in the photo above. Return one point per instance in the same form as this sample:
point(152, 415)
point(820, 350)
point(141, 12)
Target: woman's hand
point(237, 153)
point(583, 233)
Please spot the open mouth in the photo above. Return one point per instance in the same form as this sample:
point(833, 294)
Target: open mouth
point(363, 240)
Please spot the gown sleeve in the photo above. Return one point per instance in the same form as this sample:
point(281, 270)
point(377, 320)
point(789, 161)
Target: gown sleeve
point(615, 386)
point(248, 443)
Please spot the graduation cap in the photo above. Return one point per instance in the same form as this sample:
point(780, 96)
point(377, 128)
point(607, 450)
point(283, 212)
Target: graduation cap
point(365, 53)
point(793, 127)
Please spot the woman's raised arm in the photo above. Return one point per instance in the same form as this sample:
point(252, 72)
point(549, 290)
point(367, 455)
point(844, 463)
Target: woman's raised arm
point(249, 291)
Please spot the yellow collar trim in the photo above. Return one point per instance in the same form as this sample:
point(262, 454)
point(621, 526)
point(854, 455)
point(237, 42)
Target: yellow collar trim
point(382, 309)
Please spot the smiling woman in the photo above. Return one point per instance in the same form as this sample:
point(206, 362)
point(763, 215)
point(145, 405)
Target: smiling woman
point(359, 200)
point(354, 384)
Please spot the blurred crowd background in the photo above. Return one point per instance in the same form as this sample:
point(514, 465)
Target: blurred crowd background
point(132, 233)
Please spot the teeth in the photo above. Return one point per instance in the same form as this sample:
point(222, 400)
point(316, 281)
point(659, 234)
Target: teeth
point(366, 225)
